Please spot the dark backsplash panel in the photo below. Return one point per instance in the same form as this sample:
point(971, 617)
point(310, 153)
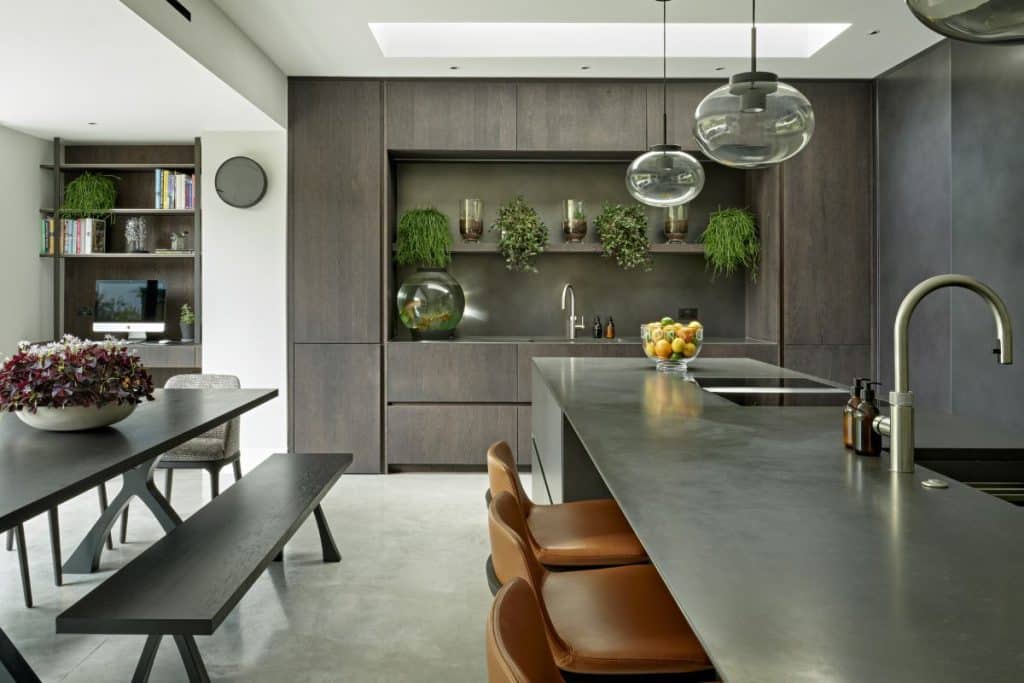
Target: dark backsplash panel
point(502, 303)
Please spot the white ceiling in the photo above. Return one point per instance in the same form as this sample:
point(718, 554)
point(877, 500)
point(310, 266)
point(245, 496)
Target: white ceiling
point(332, 37)
point(70, 62)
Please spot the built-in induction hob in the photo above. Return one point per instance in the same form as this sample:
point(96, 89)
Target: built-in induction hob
point(774, 391)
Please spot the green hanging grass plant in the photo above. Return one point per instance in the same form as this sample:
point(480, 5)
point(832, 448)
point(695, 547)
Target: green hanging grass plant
point(522, 235)
point(89, 195)
point(623, 234)
point(731, 241)
point(423, 239)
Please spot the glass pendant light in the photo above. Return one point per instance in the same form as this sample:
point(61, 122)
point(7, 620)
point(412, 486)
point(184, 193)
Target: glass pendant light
point(666, 175)
point(976, 21)
point(756, 120)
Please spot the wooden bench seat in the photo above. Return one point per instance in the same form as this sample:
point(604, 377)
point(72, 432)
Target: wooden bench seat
point(187, 582)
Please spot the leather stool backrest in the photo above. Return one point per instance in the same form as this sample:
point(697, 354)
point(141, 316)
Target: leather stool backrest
point(517, 646)
point(504, 476)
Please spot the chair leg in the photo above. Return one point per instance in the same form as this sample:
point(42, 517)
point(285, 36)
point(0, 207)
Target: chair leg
point(26, 581)
point(237, 466)
point(124, 525)
point(58, 571)
point(104, 503)
point(168, 483)
point(214, 481)
point(10, 540)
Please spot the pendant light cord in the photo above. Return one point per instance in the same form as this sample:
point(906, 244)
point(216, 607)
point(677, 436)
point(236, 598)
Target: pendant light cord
point(664, 72)
point(753, 36)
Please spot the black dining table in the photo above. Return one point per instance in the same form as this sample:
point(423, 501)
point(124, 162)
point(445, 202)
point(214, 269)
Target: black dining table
point(39, 470)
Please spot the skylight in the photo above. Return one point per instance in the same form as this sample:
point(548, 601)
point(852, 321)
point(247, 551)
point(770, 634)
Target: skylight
point(510, 40)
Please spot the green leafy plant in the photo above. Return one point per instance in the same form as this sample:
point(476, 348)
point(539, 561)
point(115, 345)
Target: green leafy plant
point(423, 239)
point(89, 196)
point(731, 242)
point(188, 316)
point(623, 234)
point(523, 235)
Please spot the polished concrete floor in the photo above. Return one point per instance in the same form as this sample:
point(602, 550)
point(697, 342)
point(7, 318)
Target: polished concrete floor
point(407, 603)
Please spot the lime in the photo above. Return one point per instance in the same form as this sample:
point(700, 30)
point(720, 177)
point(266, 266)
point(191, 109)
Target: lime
point(667, 321)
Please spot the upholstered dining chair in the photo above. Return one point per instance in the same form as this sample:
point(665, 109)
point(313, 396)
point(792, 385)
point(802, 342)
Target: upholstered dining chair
point(211, 451)
point(517, 644)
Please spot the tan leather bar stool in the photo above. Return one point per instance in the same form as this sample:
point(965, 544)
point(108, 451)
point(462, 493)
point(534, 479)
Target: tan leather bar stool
point(517, 647)
point(589, 533)
point(613, 620)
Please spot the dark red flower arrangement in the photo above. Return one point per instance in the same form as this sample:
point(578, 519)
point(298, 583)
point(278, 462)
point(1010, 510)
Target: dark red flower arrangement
point(73, 372)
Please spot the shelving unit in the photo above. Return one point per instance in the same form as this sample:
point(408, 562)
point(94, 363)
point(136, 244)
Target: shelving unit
point(570, 248)
point(132, 166)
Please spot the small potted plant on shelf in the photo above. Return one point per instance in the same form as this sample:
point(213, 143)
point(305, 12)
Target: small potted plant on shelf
point(90, 195)
point(522, 235)
point(187, 322)
point(430, 301)
point(623, 234)
point(731, 242)
point(73, 384)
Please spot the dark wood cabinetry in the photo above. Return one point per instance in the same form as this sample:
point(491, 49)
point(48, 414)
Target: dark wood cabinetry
point(336, 147)
point(451, 373)
point(581, 116)
point(451, 115)
point(428, 435)
point(683, 98)
point(336, 402)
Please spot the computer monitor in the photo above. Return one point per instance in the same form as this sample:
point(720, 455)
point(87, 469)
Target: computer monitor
point(132, 306)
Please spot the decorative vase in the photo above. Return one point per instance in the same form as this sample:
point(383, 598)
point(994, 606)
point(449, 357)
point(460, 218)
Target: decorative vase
point(431, 303)
point(187, 331)
point(75, 418)
point(135, 232)
point(677, 223)
point(574, 220)
point(471, 219)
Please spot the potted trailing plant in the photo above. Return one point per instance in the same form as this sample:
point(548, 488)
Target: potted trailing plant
point(731, 242)
point(522, 235)
point(430, 301)
point(187, 322)
point(623, 234)
point(73, 384)
point(90, 195)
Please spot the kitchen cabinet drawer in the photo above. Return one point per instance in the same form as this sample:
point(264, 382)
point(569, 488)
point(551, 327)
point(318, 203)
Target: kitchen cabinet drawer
point(456, 115)
point(581, 116)
point(527, 352)
point(440, 372)
point(447, 434)
point(169, 355)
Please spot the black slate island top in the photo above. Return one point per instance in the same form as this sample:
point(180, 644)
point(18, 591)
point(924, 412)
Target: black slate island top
point(793, 559)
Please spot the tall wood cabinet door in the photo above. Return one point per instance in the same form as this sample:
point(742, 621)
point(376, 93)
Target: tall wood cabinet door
point(451, 115)
point(683, 99)
point(335, 146)
point(828, 222)
point(581, 116)
point(336, 402)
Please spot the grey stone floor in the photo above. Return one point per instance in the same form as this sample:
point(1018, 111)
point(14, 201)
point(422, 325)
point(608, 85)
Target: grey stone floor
point(407, 603)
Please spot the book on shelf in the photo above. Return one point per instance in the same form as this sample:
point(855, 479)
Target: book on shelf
point(80, 236)
point(48, 237)
point(173, 190)
point(184, 252)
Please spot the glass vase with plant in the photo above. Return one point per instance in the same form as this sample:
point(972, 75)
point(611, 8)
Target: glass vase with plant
point(187, 322)
point(523, 236)
point(731, 242)
point(623, 233)
point(574, 220)
point(430, 301)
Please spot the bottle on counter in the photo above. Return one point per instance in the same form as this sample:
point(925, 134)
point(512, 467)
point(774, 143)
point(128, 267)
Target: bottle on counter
point(597, 329)
point(851, 405)
point(866, 441)
point(609, 331)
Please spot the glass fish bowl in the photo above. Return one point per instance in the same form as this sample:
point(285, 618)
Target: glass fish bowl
point(431, 303)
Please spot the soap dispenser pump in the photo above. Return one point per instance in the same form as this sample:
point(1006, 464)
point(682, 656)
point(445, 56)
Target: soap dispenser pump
point(851, 405)
point(866, 441)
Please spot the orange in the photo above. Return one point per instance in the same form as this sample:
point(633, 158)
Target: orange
point(663, 349)
point(689, 350)
point(678, 345)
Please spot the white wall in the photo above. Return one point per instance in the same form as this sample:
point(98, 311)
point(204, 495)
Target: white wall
point(26, 283)
point(244, 282)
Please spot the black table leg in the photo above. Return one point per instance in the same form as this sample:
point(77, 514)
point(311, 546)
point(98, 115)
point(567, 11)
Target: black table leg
point(13, 666)
point(58, 574)
point(145, 665)
point(330, 549)
point(194, 666)
point(137, 482)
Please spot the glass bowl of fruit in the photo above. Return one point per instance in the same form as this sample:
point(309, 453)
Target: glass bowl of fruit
point(672, 345)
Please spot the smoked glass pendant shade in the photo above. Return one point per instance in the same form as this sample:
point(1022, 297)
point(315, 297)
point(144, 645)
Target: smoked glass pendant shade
point(975, 21)
point(754, 121)
point(665, 176)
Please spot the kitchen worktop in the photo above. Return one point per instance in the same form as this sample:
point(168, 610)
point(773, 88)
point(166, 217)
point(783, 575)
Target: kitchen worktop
point(541, 339)
point(792, 558)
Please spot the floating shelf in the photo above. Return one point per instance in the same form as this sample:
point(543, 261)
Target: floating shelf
point(120, 256)
point(119, 167)
point(143, 212)
point(566, 248)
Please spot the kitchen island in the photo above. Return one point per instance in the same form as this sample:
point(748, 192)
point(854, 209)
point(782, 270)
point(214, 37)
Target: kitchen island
point(792, 558)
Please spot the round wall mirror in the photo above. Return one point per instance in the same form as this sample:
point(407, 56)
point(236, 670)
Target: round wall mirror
point(240, 182)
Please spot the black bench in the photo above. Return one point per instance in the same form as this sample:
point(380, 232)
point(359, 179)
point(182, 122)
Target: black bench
point(186, 583)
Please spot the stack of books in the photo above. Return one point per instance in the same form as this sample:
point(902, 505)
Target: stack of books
point(78, 236)
point(173, 190)
point(48, 237)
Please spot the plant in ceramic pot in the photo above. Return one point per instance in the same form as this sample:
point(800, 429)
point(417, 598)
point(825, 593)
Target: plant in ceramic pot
point(731, 242)
point(430, 301)
point(90, 195)
point(73, 384)
point(623, 233)
point(523, 236)
point(187, 322)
